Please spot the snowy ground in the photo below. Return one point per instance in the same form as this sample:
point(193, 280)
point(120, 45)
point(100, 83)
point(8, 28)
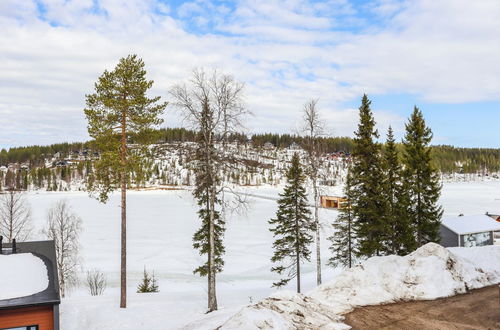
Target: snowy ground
point(160, 228)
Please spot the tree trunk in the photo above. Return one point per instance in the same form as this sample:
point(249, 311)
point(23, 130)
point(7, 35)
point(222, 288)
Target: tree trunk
point(318, 233)
point(297, 246)
point(123, 179)
point(349, 243)
point(212, 296)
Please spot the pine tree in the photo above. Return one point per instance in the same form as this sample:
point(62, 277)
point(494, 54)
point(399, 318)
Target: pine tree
point(368, 205)
point(343, 240)
point(120, 110)
point(292, 228)
point(399, 234)
point(421, 181)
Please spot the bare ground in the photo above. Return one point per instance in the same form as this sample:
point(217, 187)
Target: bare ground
point(478, 309)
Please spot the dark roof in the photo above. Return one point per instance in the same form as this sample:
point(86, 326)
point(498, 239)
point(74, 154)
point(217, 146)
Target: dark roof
point(45, 250)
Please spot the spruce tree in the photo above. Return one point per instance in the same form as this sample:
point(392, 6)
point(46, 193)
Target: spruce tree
point(343, 239)
point(292, 228)
point(399, 234)
point(149, 283)
point(421, 181)
point(368, 204)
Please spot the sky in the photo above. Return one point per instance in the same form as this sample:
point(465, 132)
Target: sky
point(439, 55)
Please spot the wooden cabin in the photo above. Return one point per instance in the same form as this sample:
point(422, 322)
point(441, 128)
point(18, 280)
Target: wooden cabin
point(29, 287)
point(333, 202)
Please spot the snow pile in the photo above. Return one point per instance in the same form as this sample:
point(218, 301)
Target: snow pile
point(285, 310)
point(485, 257)
point(431, 272)
point(21, 275)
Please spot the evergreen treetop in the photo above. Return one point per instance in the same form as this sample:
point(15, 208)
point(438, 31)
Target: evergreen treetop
point(368, 204)
point(421, 181)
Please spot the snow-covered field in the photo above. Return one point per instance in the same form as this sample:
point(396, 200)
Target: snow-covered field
point(160, 228)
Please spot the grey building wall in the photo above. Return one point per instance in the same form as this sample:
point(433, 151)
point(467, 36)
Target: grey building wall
point(448, 238)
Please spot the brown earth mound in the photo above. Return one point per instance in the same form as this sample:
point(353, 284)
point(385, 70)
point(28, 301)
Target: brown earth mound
point(478, 309)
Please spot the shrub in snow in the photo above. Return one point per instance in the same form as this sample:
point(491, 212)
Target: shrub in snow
point(96, 282)
point(148, 284)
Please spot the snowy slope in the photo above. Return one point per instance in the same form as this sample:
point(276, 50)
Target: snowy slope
point(21, 275)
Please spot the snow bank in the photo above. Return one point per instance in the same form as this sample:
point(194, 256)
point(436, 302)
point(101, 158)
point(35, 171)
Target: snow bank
point(430, 272)
point(21, 275)
point(285, 310)
point(485, 257)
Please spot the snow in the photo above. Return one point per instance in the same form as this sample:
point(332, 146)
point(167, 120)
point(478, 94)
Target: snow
point(431, 272)
point(160, 229)
point(21, 275)
point(471, 224)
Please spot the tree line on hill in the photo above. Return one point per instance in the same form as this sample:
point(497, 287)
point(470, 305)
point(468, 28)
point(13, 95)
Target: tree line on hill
point(447, 159)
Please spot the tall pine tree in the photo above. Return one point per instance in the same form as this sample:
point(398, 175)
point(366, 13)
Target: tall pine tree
point(343, 240)
point(118, 110)
point(369, 207)
point(421, 181)
point(292, 228)
point(399, 234)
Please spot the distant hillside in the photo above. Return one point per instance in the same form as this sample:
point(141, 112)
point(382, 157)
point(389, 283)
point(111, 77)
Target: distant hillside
point(448, 159)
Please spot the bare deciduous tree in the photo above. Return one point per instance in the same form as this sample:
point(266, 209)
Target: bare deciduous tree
point(313, 128)
point(96, 282)
point(64, 227)
point(212, 104)
point(15, 216)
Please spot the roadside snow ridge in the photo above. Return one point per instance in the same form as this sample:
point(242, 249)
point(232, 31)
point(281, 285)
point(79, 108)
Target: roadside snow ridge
point(430, 272)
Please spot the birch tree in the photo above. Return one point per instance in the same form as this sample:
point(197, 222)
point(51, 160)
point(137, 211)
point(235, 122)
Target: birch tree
point(64, 227)
point(15, 216)
point(118, 111)
point(212, 105)
point(313, 129)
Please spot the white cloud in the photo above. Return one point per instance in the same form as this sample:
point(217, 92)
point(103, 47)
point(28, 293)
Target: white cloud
point(285, 51)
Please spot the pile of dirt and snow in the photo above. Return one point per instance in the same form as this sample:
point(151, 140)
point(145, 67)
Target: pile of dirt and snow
point(431, 272)
point(22, 275)
point(285, 310)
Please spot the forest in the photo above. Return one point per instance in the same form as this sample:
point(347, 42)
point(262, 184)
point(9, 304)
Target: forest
point(447, 159)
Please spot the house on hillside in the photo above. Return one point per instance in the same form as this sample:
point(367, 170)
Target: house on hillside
point(29, 286)
point(268, 146)
point(294, 147)
point(468, 231)
point(333, 202)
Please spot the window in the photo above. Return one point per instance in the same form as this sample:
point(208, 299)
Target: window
point(28, 327)
point(479, 239)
